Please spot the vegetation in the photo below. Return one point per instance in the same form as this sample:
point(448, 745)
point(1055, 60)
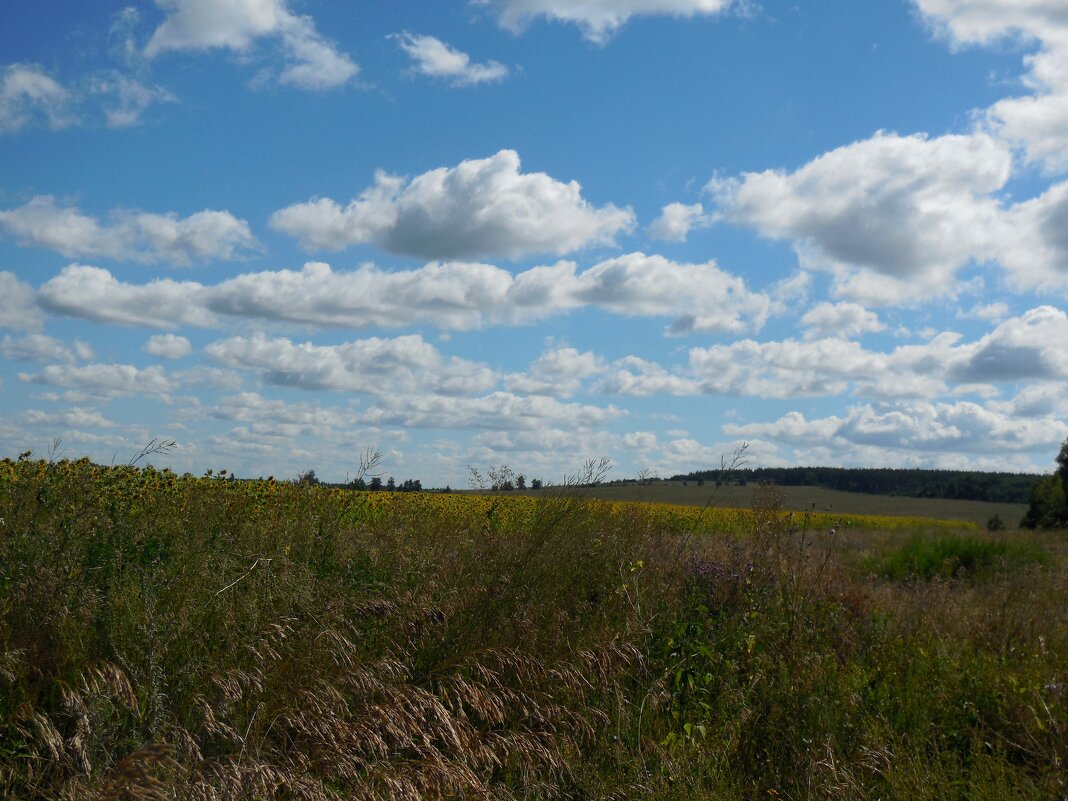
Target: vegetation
point(913, 483)
point(802, 499)
point(173, 637)
point(953, 556)
point(1048, 505)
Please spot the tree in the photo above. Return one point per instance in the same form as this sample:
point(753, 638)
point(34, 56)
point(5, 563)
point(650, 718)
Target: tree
point(376, 484)
point(1062, 470)
point(521, 482)
point(391, 485)
point(1048, 507)
point(535, 483)
point(308, 478)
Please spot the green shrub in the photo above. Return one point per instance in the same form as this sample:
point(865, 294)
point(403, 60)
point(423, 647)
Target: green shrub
point(953, 556)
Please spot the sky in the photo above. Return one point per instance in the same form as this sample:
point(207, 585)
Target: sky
point(534, 232)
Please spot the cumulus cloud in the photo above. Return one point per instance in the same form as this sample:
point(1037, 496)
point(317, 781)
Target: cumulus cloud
point(676, 220)
point(168, 346)
point(451, 295)
point(962, 427)
point(598, 19)
point(28, 94)
point(1025, 347)
point(701, 297)
point(1020, 350)
point(131, 236)
point(1038, 123)
point(374, 366)
point(1034, 244)
point(892, 217)
point(840, 319)
point(559, 372)
point(104, 381)
point(17, 308)
point(274, 418)
point(93, 293)
point(498, 411)
point(312, 62)
point(75, 417)
point(436, 59)
point(43, 348)
point(481, 207)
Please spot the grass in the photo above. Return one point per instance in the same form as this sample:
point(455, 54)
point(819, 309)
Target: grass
point(167, 637)
point(949, 556)
point(801, 499)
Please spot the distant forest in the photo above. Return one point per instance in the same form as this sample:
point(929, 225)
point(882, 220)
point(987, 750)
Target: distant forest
point(913, 483)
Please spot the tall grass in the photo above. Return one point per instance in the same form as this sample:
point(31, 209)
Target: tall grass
point(953, 555)
point(166, 637)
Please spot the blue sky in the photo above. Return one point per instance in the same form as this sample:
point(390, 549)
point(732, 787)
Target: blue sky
point(533, 232)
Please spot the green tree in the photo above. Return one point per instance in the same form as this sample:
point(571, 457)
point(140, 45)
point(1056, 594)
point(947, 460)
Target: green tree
point(1049, 499)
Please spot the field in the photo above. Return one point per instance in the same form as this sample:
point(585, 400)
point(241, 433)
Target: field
point(821, 500)
point(167, 637)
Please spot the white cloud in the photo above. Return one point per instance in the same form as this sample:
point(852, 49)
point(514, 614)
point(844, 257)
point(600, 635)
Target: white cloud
point(168, 346)
point(676, 220)
point(1021, 348)
point(701, 297)
point(598, 19)
point(132, 236)
point(1038, 123)
point(639, 377)
point(498, 411)
point(93, 293)
point(43, 348)
point(374, 366)
point(17, 308)
point(481, 207)
point(840, 319)
point(272, 418)
point(27, 93)
point(559, 372)
point(1034, 242)
point(920, 427)
point(126, 99)
point(988, 311)
point(450, 295)
point(105, 380)
point(312, 61)
point(892, 217)
point(436, 59)
point(75, 417)
point(986, 21)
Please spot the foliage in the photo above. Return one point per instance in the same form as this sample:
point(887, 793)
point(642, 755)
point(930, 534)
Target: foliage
point(950, 555)
point(1049, 499)
point(911, 482)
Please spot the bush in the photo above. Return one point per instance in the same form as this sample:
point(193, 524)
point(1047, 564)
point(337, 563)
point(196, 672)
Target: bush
point(950, 556)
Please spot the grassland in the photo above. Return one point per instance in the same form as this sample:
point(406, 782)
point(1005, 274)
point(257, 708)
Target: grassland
point(166, 637)
point(801, 499)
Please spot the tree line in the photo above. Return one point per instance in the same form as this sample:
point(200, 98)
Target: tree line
point(909, 482)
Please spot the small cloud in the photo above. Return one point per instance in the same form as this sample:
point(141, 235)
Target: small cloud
point(436, 59)
point(676, 220)
point(28, 94)
point(168, 346)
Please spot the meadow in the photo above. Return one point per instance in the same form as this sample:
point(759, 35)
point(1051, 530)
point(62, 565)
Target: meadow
point(801, 499)
point(180, 637)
